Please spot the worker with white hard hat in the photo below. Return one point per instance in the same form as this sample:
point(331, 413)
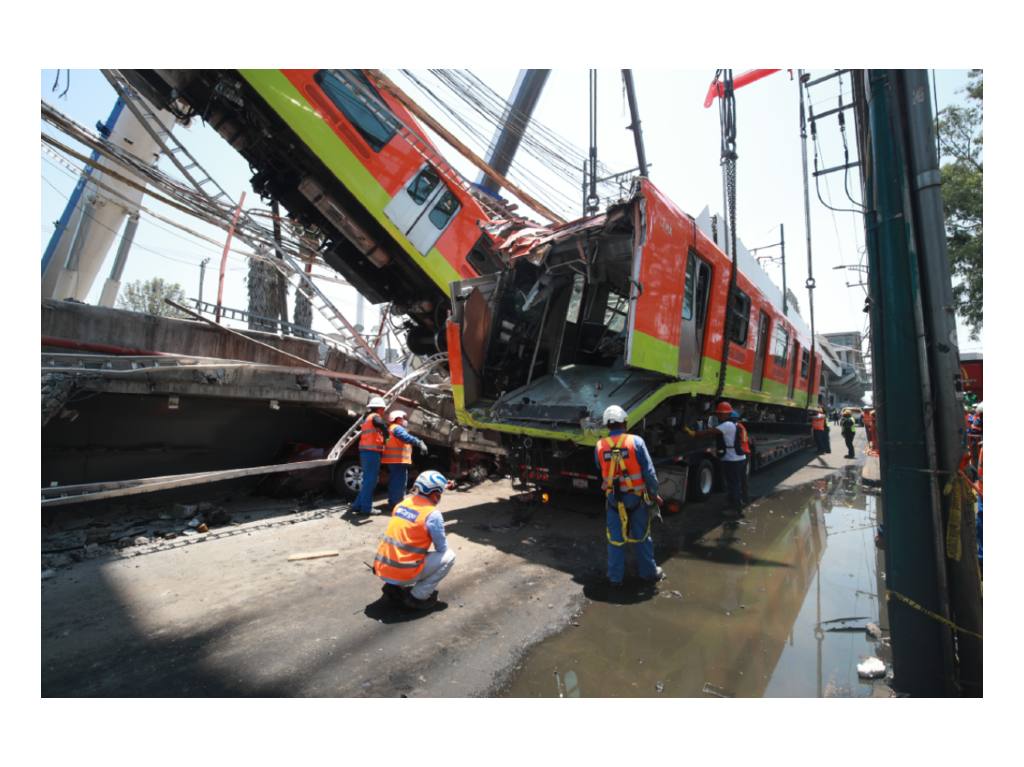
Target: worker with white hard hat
point(398, 455)
point(410, 570)
point(630, 483)
point(372, 437)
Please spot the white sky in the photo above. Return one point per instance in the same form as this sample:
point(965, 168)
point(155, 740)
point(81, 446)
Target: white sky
point(681, 139)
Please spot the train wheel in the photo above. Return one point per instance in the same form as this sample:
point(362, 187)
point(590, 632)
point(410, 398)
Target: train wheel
point(702, 479)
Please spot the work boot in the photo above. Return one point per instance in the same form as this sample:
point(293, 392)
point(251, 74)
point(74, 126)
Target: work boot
point(419, 604)
point(394, 594)
point(659, 575)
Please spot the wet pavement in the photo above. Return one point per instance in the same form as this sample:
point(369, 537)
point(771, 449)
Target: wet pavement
point(776, 604)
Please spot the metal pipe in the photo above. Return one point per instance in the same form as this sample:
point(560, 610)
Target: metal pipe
point(634, 116)
point(224, 256)
point(809, 284)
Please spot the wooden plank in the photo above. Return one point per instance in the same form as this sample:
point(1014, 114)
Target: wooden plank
point(312, 555)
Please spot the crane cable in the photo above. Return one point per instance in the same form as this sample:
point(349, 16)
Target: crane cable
point(727, 119)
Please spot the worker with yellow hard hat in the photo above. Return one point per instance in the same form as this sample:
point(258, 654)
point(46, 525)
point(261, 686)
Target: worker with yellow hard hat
point(848, 427)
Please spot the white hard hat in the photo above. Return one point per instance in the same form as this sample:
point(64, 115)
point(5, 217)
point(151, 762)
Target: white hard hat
point(614, 414)
point(376, 402)
point(429, 482)
point(978, 407)
point(394, 415)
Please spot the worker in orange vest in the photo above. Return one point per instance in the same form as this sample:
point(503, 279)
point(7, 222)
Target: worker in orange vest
point(629, 483)
point(372, 436)
point(404, 561)
point(819, 424)
point(869, 427)
point(398, 455)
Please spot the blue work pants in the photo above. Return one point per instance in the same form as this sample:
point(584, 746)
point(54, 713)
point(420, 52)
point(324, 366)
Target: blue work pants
point(734, 471)
point(370, 462)
point(638, 517)
point(398, 478)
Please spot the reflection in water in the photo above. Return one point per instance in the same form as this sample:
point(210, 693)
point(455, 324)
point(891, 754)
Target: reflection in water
point(774, 605)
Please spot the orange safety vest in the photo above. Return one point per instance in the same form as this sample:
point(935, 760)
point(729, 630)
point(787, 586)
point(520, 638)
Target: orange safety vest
point(818, 422)
point(395, 450)
point(744, 440)
point(406, 541)
point(618, 461)
point(370, 437)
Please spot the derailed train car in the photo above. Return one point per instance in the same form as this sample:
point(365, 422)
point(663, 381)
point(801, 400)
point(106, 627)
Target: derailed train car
point(349, 160)
point(625, 308)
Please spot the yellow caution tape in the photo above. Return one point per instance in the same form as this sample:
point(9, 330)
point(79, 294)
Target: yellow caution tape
point(907, 600)
point(955, 489)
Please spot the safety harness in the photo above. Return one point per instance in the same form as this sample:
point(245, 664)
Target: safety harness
point(617, 472)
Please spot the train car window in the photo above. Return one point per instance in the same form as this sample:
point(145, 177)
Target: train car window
point(616, 311)
point(780, 345)
point(804, 363)
point(740, 307)
point(703, 285)
point(443, 211)
point(688, 286)
point(376, 131)
point(421, 187)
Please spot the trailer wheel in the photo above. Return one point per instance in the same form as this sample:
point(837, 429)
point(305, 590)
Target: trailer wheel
point(348, 478)
point(702, 479)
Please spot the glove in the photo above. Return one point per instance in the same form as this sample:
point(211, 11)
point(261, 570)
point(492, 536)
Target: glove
point(689, 431)
point(423, 447)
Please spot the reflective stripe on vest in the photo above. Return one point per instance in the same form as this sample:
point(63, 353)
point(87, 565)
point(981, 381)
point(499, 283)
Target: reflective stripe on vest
point(403, 547)
point(618, 461)
point(818, 422)
point(370, 437)
point(395, 450)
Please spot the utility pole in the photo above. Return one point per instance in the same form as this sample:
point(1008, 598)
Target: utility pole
point(202, 273)
point(634, 125)
point(801, 79)
point(782, 258)
point(915, 572)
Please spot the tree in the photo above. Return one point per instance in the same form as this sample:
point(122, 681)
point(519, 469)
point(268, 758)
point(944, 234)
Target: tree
point(149, 297)
point(960, 147)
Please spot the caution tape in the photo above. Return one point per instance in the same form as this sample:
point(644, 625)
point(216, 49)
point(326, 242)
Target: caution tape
point(907, 600)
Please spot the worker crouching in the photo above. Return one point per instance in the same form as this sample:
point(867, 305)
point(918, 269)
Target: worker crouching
point(629, 482)
point(398, 455)
point(410, 570)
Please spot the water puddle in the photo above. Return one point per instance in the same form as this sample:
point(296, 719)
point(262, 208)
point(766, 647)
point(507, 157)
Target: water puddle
point(777, 604)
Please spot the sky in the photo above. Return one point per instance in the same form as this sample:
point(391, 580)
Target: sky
point(682, 146)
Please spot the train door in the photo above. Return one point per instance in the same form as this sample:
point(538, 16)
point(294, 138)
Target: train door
point(792, 372)
point(696, 286)
point(757, 380)
point(423, 208)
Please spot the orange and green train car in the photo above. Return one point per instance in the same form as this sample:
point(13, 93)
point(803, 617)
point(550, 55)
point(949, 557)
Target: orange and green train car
point(348, 159)
point(626, 308)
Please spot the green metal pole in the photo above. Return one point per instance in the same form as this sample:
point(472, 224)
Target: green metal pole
point(922, 662)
